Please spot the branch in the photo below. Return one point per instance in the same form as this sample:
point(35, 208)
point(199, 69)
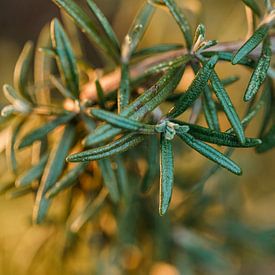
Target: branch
point(110, 82)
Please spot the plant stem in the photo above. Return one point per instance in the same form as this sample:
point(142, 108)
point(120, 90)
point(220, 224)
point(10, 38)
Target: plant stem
point(110, 81)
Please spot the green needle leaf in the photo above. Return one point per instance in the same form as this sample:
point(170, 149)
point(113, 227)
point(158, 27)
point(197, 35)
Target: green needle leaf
point(145, 103)
point(181, 21)
point(153, 164)
point(217, 137)
point(166, 174)
point(118, 146)
point(122, 178)
point(52, 172)
point(210, 109)
point(109, 178)
point(19, 103)
point(66, 181)
point(42, 131)
point(195, 89)
point(123, 122)
point(260, 73)
point(31, 175)
point(22, 69)
point(124, 89)
point(104, 24)
point(164, 66)
point(228, 56)
point(90, 210)
point(10, 149)
point(65, 58)
point(210, 152)
point(228, 107)
point(136, 32)
point(251, 43)
point(88, 27)
point(253, 5)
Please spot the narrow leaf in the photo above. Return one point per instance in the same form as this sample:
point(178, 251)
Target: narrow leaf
point(42, 131)
point(210, 153)
point(32, 174)
point(210, 110)
point(181, 21)
point(260, 73)
point(251, 43)
point(145, 103)
point(217, 137)
point(22, 69)
point(104, 24)
point(165, 65)
point(68, 180)
point(195, 89)
point(166, 174)
point(123, 96)
point(87, 26)
point(19, 103)
point(65, 58)
point(118, 146)
point(10, 149)
point(52, 172)
point(123, 122)
point(122, 178)
point(109, 178)
point(228, 56)
point(228, 106)
point(89, 211)
point(136, 31)
point(153, 164)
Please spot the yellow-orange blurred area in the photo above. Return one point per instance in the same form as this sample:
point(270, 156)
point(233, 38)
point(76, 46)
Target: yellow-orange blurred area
point(27, 249)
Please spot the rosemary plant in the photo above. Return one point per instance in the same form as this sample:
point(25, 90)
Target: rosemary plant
point(101, 123)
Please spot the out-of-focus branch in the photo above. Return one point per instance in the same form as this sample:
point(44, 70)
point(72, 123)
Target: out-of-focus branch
point(110, 82)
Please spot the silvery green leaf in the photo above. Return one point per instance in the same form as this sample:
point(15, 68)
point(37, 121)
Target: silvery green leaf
point(89, 211)
point(210, 153)
point(52, 172)
point(68, 180)
point(109, 178)
point(32, 174)
point(137, 30)
point(118, 146)
point(123, 122)
point(260, 73)
point(228, 106)
point(181, 21)
point(195, 89)
point(65, 58)
point(22, 69)
point(124, 91)
point(153, 164)
point(85, 23)
point(104, 24)
point(166, 174)
point(251, 43)
point(42, 131)
point(145, 103)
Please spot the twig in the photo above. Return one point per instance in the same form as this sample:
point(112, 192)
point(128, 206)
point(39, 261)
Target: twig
point(110, 82)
